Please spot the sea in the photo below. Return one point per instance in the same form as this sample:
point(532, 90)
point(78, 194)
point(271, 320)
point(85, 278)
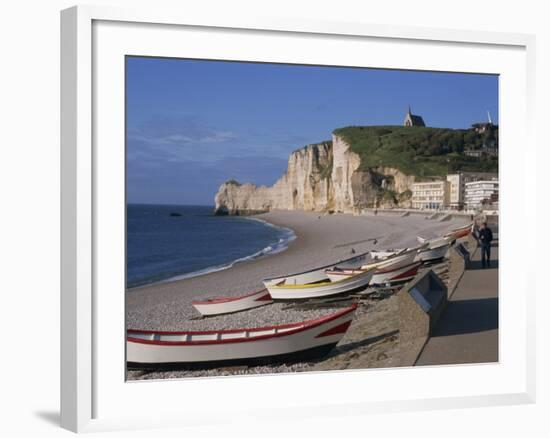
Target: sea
point(172, 242)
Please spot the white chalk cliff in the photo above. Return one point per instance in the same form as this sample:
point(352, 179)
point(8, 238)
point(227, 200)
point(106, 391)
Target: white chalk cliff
point(319, 177)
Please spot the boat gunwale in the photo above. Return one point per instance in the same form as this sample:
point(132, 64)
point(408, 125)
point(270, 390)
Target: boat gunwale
point(299, 327)
point(323, 284)
point(378, 270)
point(420, 251)
point(470, 225)
point(435, 247)
point(379, 264)
point(282, 277)
point(468, 228)
point(221, 300)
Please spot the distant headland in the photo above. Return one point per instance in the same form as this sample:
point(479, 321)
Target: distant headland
point(367, 167)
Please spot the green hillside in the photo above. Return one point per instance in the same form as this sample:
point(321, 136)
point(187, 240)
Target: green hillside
point(420, 151)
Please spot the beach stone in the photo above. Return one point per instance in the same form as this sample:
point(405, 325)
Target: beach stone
point(373, 339)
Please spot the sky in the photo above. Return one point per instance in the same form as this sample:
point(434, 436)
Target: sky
point(193, 124)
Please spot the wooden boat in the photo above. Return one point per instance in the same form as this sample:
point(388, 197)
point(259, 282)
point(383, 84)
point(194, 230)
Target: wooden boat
point(435, 250)
point(394, 258)
point(381, 276)
point(433, 253)
point(396, 267)
point(314, 275)
point(460, 232)
point(393, 275)
point(323, 288)
point(436, 241)
point(380, 254)
point(317, 283)
point(219, 306)
point(289, 342)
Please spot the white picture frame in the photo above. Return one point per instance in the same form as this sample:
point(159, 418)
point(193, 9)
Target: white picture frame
point(93, 391)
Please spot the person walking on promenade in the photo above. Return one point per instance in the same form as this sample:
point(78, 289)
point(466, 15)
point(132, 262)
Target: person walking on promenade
point(485, 236)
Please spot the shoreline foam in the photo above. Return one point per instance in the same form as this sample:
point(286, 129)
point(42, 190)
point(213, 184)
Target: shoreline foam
point(271, 249)
point(275, 248)
point(320, 240)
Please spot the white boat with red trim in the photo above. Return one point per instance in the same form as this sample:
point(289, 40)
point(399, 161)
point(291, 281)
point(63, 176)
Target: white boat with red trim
point(391, 275)
point(207, 349)
point(316, 274)
point(394, 258)
point(222, 305)
point(381, 254)
point(433, 253)
point(464, 231)
point(323, 288)
point(382, 276)
point(435, 250)
point(436, 241)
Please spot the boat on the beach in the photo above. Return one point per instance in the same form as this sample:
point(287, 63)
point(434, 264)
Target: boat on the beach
point(397, 266)
point(392, 275)
point(382, 276)
point(314, 275)
point(323, 288)
point(432, 253)
point(222, 305)
point(249, 346)
point(457, 233)
point(394, 258)
point(436, 241)
point(435, 250)
point(381, 254)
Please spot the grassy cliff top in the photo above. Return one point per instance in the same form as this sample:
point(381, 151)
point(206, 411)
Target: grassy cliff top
point(419, 151)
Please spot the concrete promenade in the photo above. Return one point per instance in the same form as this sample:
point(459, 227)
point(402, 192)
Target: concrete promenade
point(468, 330)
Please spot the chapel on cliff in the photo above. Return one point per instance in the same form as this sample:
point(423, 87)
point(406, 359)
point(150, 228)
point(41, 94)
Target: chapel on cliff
point(413, 119)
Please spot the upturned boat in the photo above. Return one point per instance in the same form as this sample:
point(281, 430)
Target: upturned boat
point(324, 288)
point(222, 305)
point(249, 346)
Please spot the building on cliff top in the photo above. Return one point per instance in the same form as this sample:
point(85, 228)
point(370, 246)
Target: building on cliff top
point(412, 119)
point(482, 127)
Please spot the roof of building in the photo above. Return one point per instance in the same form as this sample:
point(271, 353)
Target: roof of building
point(415, 119)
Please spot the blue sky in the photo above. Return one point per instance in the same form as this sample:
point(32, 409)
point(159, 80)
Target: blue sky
point(192, 125)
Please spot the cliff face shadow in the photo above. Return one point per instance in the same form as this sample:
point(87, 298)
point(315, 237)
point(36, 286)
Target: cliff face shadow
point(468, 316)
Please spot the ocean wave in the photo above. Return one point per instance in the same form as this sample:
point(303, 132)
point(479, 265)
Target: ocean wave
point(288, 236)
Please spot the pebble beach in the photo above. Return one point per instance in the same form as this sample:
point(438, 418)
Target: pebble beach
point(321, 239)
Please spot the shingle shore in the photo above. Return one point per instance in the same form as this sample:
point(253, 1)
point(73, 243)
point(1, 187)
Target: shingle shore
point(321, 239)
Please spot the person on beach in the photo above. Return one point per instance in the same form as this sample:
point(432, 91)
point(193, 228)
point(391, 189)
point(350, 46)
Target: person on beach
point(485, 236)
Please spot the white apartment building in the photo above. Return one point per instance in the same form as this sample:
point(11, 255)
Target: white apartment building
point(479, 193)
point(457, 186)
point(432, 195)
point(456, 190)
